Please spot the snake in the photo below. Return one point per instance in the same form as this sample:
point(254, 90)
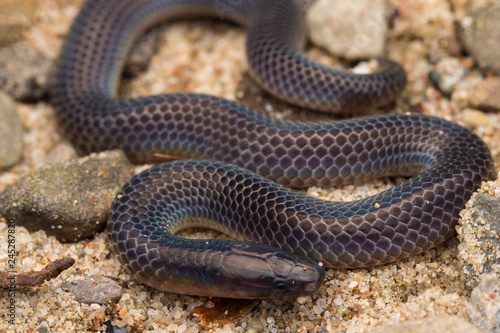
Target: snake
point(239, 170)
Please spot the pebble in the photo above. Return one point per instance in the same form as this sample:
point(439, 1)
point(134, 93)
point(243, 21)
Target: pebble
point(439, 324)
point(25, 80)
point(11, 138)
point(352, 284)
point(480, 32)
point(479, 233)
point(63, 151)
point(93, 289)
point(352, 30)
point(447, 74)
point(484, 306)
point(69, 200)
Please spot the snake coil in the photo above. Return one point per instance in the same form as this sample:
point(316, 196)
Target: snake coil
point(447, 161)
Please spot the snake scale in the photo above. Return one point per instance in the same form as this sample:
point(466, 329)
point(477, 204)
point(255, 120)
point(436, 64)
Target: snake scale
point(282, 234)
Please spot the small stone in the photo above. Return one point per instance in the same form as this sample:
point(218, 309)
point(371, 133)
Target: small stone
point(99, 314)
point(484, 306)
point(480, 32)
point(318, 310)
point(11, 133)
point(440, 324)
point(25, 80)
point(63, 151)
point(448, 73)
point(93, 289)
point(301, 300)
point(256, 325)
point(352, 284)
point(353, 29)
point(182, 328)
point(306, 325)
point(69, 200)
point(172, 327)
point(43, 327)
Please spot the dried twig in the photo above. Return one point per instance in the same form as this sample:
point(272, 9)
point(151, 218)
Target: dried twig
point(32, 278)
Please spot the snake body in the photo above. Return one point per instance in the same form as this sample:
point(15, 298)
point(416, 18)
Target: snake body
point(294, 231)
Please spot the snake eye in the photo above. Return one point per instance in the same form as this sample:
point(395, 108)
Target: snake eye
point(280, 286)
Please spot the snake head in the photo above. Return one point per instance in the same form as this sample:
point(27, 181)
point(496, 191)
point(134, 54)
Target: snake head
point(259, 271)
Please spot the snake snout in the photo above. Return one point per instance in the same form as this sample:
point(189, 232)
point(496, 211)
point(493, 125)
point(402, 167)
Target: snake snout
point(295, 275)
point(265, 272)
point(305, 278)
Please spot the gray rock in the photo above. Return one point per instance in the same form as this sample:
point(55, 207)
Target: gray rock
point(484, 306)
point(440, 324)
point(484, 240)
point(89, 289)
point(25, 72)
point(69, 200)
point(11, 137)
point(480, 33)
point(350, 29)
